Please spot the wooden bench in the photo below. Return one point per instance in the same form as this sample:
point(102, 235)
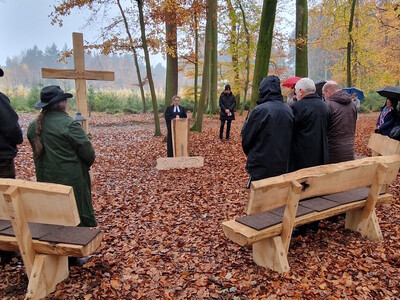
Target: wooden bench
point(383, 145)
point(39, 220)
point(276, 205)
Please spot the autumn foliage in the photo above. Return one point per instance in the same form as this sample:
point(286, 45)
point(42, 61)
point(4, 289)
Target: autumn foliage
point(163, 236)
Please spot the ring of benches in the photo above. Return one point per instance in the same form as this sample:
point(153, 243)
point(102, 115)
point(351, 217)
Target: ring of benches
point(278, 204)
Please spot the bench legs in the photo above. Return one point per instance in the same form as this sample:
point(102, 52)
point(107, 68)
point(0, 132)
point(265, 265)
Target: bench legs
point(272, 254)
point(368, 228)
point(47, 271)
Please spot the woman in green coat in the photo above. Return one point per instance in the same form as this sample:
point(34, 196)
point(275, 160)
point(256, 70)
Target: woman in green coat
point(62, 151)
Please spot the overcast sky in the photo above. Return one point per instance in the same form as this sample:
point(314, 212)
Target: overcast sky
point(25, 23)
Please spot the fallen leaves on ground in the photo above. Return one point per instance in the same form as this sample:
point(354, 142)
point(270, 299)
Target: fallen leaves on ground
point(163, 236)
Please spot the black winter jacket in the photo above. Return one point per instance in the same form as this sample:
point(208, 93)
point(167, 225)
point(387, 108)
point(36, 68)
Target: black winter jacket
point(10, 131)
point(310, 133)
point(227, 102)
point(267, 135)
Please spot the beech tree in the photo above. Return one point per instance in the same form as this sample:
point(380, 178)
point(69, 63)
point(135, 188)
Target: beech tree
point(205, 83)
point(301, 38)
point(264, 46)
point(375, 32)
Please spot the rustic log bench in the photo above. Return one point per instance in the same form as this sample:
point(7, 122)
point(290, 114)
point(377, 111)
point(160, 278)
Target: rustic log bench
point(276, 205)
point(39, 220)
point(383, 145)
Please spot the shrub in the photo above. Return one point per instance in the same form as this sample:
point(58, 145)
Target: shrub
point(372, 102)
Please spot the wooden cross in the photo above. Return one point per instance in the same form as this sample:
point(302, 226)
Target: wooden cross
point(80, 75)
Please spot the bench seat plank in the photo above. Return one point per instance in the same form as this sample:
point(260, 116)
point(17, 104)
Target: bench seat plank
point(260, 221)
point(349, 196)
point(301, 210)
point(9, 243)
point(318, 204)
point(4, 224)
point(37, 230)
point(71, 235)
point(58, 234)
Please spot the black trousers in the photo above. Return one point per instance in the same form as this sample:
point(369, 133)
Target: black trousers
point(7, 168)
point(170, 150)
point(228, 128)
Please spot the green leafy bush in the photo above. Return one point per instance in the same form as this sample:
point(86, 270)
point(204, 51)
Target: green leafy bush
point(372, 102)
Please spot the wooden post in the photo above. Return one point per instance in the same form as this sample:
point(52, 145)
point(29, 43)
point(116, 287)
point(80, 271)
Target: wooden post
point(80, 75)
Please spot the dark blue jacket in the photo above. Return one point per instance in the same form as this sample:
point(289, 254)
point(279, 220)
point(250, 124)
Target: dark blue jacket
point(388, 122)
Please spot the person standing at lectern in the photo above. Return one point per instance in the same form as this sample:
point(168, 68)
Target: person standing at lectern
point(175, 111)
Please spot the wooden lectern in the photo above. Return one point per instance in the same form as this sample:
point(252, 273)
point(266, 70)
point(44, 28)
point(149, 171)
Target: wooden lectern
point(180, 137)
point(180, 147)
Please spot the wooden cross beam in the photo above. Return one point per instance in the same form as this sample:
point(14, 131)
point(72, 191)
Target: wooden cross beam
point(80, 75)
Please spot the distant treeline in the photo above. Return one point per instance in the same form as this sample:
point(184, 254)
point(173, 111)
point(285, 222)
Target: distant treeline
point(25, 69)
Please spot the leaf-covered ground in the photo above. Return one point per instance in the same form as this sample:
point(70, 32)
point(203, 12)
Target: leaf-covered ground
point(163, 236)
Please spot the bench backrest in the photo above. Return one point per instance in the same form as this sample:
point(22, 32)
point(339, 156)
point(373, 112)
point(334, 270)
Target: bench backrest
point(47, 203)
point(383, 145)
point(271, 193)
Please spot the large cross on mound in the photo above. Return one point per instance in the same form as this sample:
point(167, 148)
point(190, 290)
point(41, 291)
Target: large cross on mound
point(80, 75)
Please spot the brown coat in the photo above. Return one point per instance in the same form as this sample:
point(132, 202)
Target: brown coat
point(341, 127)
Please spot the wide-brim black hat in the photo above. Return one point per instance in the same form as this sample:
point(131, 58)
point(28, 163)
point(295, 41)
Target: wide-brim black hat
point(1, 72)
point(51, 94)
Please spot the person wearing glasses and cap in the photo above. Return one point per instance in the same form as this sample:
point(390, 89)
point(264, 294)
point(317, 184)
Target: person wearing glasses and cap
point(62, 151)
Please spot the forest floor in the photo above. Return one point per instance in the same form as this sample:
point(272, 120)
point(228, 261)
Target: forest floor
point(163, 235)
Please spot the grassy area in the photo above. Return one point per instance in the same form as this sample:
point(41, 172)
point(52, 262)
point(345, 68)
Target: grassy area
point(109, 101)
point(126, 101)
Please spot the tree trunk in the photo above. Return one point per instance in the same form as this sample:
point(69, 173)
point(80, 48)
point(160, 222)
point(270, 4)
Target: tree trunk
point(349, 43)
point(301, 38)
point(197, 126)
point(212, 98)
point(233, 45)
point(148, 69)
point(196, 63)
point(142, 95)
point(264, 45)
point(171, 85)
point(139, 77)
point(247, 61)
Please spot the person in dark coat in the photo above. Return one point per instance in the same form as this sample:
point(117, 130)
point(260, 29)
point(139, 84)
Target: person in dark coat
point(62, 152)
point(174, 111)
point(387, 118)
point(227, 104)
point(309, 140)
point(342, 123)
point(267, 135)
point(10, 136)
